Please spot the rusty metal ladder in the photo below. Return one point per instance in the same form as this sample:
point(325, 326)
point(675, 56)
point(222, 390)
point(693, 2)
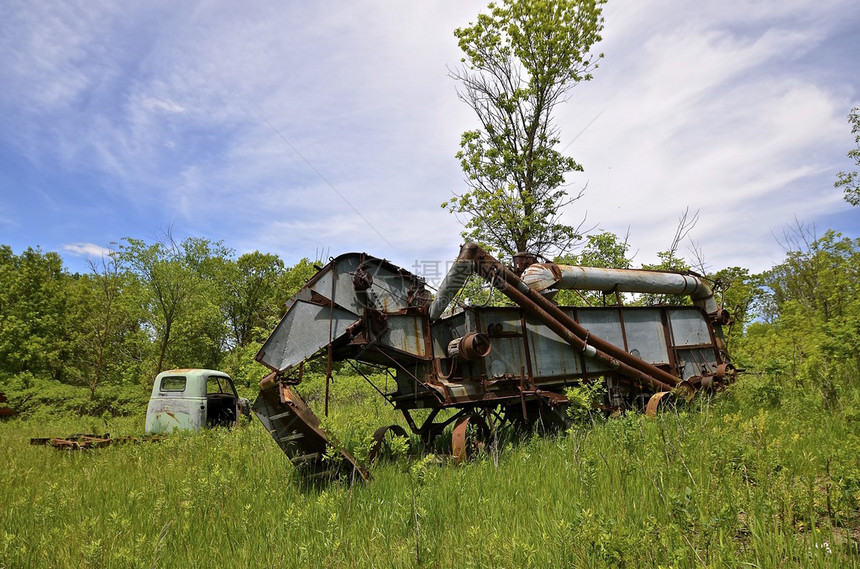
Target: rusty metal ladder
point(296, 429)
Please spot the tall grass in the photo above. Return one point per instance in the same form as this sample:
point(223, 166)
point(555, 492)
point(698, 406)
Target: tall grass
point(751, 478)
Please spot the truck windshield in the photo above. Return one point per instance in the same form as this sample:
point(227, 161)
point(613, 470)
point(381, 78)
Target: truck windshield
point(218, 385)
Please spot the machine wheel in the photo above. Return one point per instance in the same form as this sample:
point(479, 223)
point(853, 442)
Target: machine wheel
point(382, 447)
point(470, 436)
point(659, 402)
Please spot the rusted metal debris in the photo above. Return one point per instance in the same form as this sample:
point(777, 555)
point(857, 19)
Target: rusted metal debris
point(463, 443)
point(88, 441)
point(487, 365)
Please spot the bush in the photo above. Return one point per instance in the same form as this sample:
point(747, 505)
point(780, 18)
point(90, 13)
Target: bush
point(32, 397)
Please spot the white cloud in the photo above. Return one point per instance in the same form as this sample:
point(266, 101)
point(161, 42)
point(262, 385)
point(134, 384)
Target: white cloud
point(47, 52)
point(87, 250)
point(711, 111)
point(163, 105)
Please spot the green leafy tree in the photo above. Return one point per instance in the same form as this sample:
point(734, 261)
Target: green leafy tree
point(204, 333)
point(251, 295)
point(741, 293)
point(604, 249)
point(182, 297)
point(258, 291)
point(811, 312)
point(821, 274)
point(520, 61)
point(294, 279)
point(850, 181)
point(107, 337)
point(33, 313)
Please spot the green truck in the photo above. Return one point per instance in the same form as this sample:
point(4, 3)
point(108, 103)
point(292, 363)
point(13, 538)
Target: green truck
point(191, 399)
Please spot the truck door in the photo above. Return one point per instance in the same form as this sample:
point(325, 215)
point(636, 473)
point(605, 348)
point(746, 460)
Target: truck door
point(221, 402)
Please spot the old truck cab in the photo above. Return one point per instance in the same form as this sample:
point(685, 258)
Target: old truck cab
point(190, 399)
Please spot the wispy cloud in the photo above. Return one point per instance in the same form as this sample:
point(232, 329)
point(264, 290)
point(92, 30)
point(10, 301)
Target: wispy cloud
point(90, 250)
point(161, 105)
point(710, 112)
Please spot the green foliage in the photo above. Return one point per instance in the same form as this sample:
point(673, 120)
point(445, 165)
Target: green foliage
point(33, 300)
point(764, 474)
point(145, 307)
point(850, 181)
point(292, 280)
point(584, 399)
point(239, 363)
point(520, 61)
point(602, 249)
point(251, 293)
point(106, 333)
point(180, 282)
point(40, 399)
point(819, 274)
point(740, 293)
point(478, 292)
point(812, 312)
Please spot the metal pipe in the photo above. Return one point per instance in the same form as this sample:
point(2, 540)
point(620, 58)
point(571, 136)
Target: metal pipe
point(454, 280)
point(543, 276)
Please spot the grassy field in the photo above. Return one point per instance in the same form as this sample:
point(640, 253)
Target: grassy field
point(765, 475)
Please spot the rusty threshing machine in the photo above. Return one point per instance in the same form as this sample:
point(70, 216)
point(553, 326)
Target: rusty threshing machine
point(485, 363)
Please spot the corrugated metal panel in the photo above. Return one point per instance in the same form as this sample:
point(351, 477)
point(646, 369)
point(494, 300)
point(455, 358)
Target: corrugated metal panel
point(550, 355)
point(504, 328)
point(602, 323)
point(302, 332)
point(697, 361)
point(645, 335)
point(688, 327)
point(405, 333)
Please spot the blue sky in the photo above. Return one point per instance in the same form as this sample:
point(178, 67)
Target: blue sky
point(267, 125)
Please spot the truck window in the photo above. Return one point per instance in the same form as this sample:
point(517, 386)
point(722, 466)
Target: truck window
point(218, 385)
point(172, 383)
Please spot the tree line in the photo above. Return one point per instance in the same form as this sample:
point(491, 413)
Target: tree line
point(145, 307)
